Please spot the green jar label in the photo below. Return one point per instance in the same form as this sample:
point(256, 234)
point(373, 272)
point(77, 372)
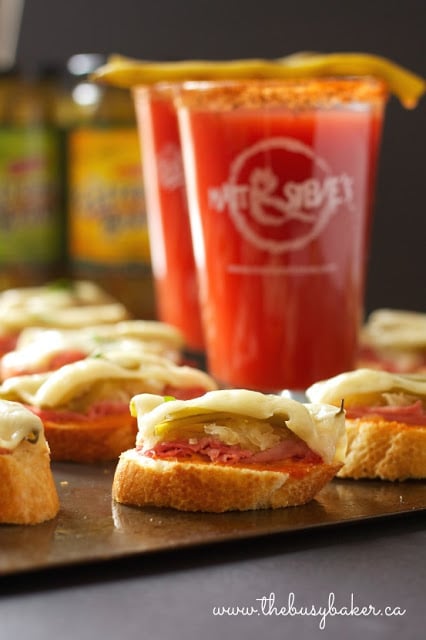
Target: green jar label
point(31, 220)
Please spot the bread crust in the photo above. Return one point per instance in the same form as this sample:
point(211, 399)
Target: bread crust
point(27, 489)
point(94, 440)
point(386, 450)
point(190, 486)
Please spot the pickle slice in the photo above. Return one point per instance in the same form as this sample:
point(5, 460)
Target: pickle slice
point(126, 72)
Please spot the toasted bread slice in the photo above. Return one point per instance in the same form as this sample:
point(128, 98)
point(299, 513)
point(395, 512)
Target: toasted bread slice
point(91, 440)
point(28, 493)
point(383, 449)
point(385, 422)
point(190, 486)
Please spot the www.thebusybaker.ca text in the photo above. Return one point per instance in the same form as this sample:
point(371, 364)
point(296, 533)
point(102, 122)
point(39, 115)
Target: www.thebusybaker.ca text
point(267, 607)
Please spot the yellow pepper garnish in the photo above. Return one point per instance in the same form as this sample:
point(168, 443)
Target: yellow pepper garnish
point(126, 72)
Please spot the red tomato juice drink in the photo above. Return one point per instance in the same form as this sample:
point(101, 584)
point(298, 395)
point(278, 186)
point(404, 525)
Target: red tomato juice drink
point(280, 180)
point(167, 214)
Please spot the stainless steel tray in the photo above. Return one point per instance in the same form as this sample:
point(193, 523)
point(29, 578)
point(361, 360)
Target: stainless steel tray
point(89, 527)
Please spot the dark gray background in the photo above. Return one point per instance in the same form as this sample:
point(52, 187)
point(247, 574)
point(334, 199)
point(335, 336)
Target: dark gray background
point(52, 30)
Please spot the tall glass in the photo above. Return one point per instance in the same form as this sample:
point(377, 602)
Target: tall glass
point(172, 257)
point(280, 181)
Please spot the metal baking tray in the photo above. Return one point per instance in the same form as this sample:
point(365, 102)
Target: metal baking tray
point(90, 527)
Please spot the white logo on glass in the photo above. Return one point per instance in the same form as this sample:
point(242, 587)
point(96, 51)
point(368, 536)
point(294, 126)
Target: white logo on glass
point(261, 207)
point(170, 167)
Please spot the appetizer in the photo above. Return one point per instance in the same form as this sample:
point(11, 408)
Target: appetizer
point(84, 405)
point(28, 492)
point(394, 340)
point(229, 450)
point(38, 350)
point(385, 422)
point(59, 304)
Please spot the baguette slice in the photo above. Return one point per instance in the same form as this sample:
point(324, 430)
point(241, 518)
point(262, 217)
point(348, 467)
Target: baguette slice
point(96, 439)
point(142, 481)
point(229, 450)
point(385, 422)
point(385, 450)
point(27, 489)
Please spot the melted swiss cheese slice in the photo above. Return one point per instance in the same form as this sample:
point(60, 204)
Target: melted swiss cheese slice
point(78, 292)
point(145, 330)
point(321, 427)
point(78, 305)
point(365, 387)
point(66, 317)
point(57, 388)
point(16, 424)
point(394, 329)
point(37, 347)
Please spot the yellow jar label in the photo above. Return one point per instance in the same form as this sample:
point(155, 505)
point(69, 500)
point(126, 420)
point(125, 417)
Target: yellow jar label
point(107, 219)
